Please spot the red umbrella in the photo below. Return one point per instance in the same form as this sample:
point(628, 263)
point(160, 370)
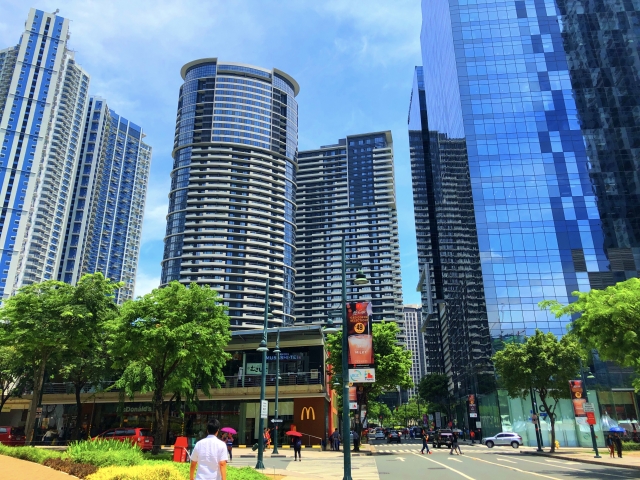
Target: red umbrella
point(293, 433)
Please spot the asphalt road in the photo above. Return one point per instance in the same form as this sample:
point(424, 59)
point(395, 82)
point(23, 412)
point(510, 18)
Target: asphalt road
point(480, 463)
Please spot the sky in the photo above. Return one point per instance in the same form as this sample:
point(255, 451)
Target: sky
point(354, 61)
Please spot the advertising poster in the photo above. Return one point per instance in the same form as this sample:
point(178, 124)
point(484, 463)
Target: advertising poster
point(473, 407)
point(578, 401)
point(360, 335)
point(353, 394)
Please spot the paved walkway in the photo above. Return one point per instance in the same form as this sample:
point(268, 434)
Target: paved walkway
point(628, 460)
point(23, 470)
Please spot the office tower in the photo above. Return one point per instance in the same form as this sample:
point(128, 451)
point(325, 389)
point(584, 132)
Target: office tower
point(348, 190)
point(455, 320)
point(554, 183)
point(40, 131)
point(413, 339)
point(231, 221)
point(103, 230)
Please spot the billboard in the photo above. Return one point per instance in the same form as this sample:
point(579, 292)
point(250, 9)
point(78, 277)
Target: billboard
point(360, 335)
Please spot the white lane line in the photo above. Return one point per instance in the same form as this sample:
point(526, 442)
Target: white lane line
point(558, 464)
point(455, 460)
point(514, 468)
point(504, 459)
point(445, 466)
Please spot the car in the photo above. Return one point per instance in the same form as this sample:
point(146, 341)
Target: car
point(371, 434)
point(394, 436)
point(503, 439)
point(379, 434)
point(442, 437)
point(13, 436)
point(137, 436)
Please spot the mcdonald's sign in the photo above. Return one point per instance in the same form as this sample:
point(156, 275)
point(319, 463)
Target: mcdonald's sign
point(310, 413)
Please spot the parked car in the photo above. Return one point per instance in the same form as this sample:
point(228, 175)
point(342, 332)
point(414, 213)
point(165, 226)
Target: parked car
point(442, 437)
point(13, 436)
point(503, 439)
point(379, 434)
point(394, 436)
point(371, 434)
point(137, 436)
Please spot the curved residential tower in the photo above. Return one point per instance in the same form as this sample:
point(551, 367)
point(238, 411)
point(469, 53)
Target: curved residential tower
point(231, 221)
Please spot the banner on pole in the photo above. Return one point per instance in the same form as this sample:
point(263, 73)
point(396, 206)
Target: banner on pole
point(360, 334)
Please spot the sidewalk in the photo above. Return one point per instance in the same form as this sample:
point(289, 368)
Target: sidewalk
point(23, 470)
point(583, 455)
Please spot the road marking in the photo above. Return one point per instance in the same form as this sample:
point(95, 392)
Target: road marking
point(504, 459)
point(455, 460)
point(445, 466)
point(514, 468)
point(400, 458)
point(557, 463)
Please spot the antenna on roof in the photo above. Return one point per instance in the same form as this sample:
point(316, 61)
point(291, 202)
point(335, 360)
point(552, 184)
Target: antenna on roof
point(56, 12)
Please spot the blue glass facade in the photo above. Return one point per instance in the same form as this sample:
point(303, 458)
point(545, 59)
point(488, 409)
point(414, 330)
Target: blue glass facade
point(539, 226)
point(239, 125)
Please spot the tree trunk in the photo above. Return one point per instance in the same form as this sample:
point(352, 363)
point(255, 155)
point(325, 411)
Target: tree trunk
point(158, 417)
point(552, 420)
point(76, 428)
point(38, 379)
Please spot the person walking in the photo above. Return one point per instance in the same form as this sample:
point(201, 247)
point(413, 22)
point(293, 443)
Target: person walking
point(356, 441)
point(267, 438)
point(455, 446)
point(611, 446)
point(209, 456)
point(297, 449)
point(425, 439)
point(472, 434)
point(618, 441)
point(335, 440)
point(229, 442)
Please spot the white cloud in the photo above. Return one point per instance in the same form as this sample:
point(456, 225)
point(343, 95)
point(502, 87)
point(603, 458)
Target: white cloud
point(145, 283)
point(155, 212)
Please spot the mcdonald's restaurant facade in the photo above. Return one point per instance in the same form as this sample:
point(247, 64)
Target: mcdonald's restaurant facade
point(303, 403)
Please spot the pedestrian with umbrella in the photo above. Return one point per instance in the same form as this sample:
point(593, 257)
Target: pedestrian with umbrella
point(297, 444)
point(227, 438)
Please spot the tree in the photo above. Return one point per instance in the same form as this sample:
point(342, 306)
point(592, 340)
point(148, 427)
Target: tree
point(12, 375)
point(392, 362)
point(543, 363)
point(168, 341)
point(378, 411)
point(434, 389)
point(609, 322)
point(85, 359)
point(36, 323)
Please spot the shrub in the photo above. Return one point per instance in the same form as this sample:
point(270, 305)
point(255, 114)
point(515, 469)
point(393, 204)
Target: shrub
point(80, 470)
point(105, 453)
point(630, 446)
point(31, 454)
point(245, 473)
point(139, 472)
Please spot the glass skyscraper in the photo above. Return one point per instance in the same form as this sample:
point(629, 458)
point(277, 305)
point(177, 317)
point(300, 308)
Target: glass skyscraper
point(543, 95)
point(348, 190)
point(231, 221)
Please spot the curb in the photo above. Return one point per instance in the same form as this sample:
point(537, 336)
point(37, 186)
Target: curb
point(583, 460)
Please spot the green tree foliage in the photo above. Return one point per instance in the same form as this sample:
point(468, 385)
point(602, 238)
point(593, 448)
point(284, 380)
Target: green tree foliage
point(12, 374)
point(392, 362)
point(85, 359)
point(544, 363)
point(37, 322)
point(167, 342)
point(609, 322)
point(434, 389)
point(378, 412)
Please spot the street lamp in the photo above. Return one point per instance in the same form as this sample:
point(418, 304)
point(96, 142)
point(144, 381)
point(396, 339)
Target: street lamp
point(263, 384)
point(360, 279)
point(277, 424)
point(586, 399)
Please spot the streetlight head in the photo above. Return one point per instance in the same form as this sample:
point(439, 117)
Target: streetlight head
point(262, 347)
point(360, 279)
point(269, 312)
point(590, 376)
point(329, 326)
point(277, 350)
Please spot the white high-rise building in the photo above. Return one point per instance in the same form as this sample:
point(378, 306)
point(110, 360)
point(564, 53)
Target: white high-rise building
point(413, 339)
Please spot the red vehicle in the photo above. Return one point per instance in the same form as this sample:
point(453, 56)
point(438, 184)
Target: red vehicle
point(13, 436)
point(137, 436)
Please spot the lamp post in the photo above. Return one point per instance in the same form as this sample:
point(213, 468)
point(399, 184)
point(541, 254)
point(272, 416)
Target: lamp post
point(277, 424)
point(536, 422)
point(346, 424)
point(263, 384)
point(586, 399)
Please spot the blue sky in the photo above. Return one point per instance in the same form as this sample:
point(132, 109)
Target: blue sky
point(353, 59)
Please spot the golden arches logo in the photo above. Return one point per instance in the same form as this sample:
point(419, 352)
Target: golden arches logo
point(310, 413)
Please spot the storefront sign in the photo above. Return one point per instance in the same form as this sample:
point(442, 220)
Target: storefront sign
point(360, 335)
point(362, 375)
point(254, 368)
point(264, 409)
point(309, 412)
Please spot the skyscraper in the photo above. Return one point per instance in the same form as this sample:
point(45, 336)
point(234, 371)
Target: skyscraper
point(40, 131)
point(413, 338)
point(231, 221)
point(348, 189)
point(455, 318)
point(554, 184)
point(104, 225)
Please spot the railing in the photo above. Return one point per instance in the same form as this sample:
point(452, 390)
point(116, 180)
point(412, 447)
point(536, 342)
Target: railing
point(286, 379)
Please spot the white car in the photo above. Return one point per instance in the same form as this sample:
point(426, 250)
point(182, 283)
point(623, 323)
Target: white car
point(503, 439)
point(379, 434)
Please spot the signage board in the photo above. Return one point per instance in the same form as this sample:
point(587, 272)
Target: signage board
point(589, 407)
point(577, 398)
point(360, 334)
point(254, 369)
point(264, 409)
point(276, 420)
point(473, 415)
point(353, 394)
point(353, 405)
point(478, 425)
point(591, 418)
point(362, 375)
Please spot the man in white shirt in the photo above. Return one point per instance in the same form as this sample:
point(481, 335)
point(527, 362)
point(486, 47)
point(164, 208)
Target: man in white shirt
point(209, 456)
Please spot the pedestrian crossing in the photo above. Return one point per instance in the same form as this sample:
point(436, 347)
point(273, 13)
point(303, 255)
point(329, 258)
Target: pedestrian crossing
point(411, 450)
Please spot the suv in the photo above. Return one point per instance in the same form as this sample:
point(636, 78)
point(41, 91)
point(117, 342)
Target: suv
point(502, 439)
point(442, 437)
point(13, 436)
point(137, 436)
point(394, 436)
